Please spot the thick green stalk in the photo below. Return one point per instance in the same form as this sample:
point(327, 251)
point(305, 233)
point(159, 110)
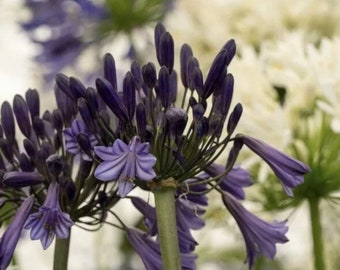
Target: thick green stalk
point(61, 252)
point(167, 228)
point(319, 263)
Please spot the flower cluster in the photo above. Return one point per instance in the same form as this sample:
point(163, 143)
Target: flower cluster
point(100, 144)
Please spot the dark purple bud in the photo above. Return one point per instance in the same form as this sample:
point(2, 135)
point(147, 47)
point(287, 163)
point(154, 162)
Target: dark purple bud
point(198, 81)
point(63, 83)
point(1, 132)
point(167, 54)
point(141, 120)
point(163, 87)
point(112, 99)
point(6, 149)
point(198, 111)
point(110, 70)
point(85, 143)
point(57, 118)
point(129, 94)
point(25, 163)
point(137, 74)
point(230, 46)
point(233, 154)
point(215, 125)
point(77, 88)
point(7, 121)
point(22, 179)
point(38, 126)
point(92, 99)
point(177, 119)
point(47, 116)
point(223, 100)
point(192, 73)
point(55, 165)
point(33, 102)
point(216, 74)
point(86, 114)
point(185, 55)
point(159, 30)
point(66, 105)
point(234, 118)
point(173, 86)
point(30, 147)
point(149, 75)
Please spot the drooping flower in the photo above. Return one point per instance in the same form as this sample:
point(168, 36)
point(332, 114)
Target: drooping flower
point(259, 236)
point(72, 137)
point(9, 239)
point(50, 220)
point(125, 163)
point(289, 170)
point(149, 251)
point(233, 182)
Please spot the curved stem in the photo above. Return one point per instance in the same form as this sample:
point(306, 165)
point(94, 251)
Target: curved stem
point(167, 228)
point(61, 252)
point(318, 253)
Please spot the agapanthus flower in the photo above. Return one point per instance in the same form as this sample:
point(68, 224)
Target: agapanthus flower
point(146, 139)
point(289, 170)
point(72, 136)
point(50, 220)
point(10, 237)
point(234, 182)
point(125, 163)
point(149, 251)
point(259, 236)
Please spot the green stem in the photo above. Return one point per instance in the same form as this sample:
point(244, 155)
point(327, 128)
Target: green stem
point(61, 252)
point(319, 263)
point(167, 228)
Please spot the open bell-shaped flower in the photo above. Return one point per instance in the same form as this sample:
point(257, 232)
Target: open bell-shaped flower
point(50, 220)
point(125, 163)
point(260, 237)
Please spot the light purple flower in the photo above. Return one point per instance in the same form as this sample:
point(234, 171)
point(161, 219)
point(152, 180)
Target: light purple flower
point(233, 182)
point(149, 251)
point(71, 138)
point(50, 221)
point(289, 170)
point(125, 163)
point(260, 237)
point(9, 239)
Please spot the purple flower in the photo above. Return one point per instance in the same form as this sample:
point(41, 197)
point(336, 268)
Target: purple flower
point(68, 22)
point(260, 237)
point(125, 162)
point(289, 170)
point(10, 238)
point(233, 182)
point(149, 251)
point(71, 136)
point(50, 221)
point(22, 179)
